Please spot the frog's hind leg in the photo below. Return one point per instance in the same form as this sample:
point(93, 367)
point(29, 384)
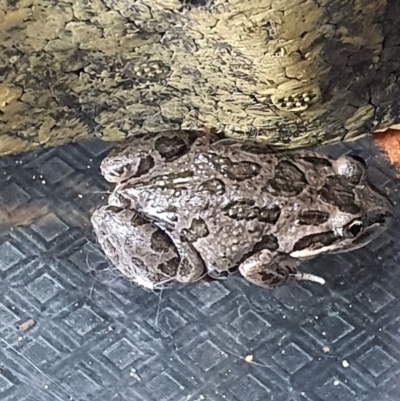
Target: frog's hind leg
point(269, 269)
point(139, 249)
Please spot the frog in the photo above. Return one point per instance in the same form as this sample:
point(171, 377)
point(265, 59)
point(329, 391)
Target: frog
point(188, 205)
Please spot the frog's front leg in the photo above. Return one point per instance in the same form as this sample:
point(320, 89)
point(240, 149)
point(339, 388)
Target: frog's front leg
point(191, 267)
point(270, 269)
point(141, 251)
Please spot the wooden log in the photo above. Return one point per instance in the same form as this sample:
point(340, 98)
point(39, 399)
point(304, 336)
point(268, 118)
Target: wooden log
point(291, 73)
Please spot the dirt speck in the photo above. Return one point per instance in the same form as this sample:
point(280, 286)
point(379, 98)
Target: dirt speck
point(26, 325)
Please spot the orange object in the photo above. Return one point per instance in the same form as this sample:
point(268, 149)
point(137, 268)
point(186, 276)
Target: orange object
point(389, 141)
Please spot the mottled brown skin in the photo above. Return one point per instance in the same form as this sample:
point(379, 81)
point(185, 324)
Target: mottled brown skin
point(224, 204)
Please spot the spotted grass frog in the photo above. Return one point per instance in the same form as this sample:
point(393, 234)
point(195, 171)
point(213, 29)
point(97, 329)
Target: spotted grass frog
point(187, 204)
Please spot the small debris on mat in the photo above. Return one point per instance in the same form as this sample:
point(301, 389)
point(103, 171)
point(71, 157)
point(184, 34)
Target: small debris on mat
point(345, 364)
point(249, 358)
point(133, 373)
point(26, 325)
point(326, 349)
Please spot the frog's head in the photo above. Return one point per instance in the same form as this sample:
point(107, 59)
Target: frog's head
point(358, 212)
point(124, 163)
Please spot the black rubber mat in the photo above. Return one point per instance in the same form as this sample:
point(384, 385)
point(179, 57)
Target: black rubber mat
point(98, 338)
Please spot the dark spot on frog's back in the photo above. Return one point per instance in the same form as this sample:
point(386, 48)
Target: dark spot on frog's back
point(335, 193)
point(246, 210)
point(213, 187)
point(161, 242)
point(138, 263)
point(312, 217)
point(243, 171)
point(170, 147)
point(169, 267)
point(189, 4)
point(270, 214)
point(255, 148)
point(289, 180)
point(145, 165)
point(241, 210)
point(198, 229)
point(269, 242)
point(138, 220)
point(114, 209)
point(317, 161)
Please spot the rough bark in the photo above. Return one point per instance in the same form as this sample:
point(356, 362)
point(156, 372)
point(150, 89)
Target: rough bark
point(292, 73)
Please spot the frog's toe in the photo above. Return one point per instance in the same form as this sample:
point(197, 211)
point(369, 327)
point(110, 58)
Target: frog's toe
point(308, 277)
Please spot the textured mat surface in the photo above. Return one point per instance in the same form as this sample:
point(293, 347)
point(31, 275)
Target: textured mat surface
point(98, 338)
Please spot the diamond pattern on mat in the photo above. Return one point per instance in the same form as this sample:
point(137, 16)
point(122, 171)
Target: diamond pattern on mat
point(6, 316)
point(54, 170)
point(335, 389)
point(376, 361)
point(83, 320)
point(96, 148)
point(209, 294)
point(207, 355)
point(291, 358)
point(41, 352)
point(164, 387)
point(122, 353)
point(375, 298)
point(49, 227)
point(44, 288)
point(249, 388)
point(332, 327)
point(88, 256)
point(10, 256)
point(250, 324)
point(81, 384)
point(169, 321)
point(14, 196)
point(5, 384)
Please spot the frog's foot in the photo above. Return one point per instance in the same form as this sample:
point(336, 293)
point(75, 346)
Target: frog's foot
point(269, 269)
point(309, 277)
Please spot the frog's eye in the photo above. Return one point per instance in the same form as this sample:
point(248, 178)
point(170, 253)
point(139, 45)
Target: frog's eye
point(355, 228)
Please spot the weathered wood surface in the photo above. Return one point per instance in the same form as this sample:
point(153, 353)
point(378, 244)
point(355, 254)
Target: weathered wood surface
point(292, 73)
